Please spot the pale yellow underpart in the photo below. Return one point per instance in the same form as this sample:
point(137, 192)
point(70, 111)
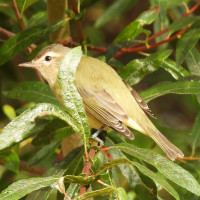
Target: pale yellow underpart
point(133, 124)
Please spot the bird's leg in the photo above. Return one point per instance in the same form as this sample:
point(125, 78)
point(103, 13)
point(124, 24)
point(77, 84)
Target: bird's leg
point(95, 135)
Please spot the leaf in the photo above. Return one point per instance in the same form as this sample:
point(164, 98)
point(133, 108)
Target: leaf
point(163, 88)
point(131, 31)
point(62, 133)
point(171, 67)
point(157, 178)
point(95, 193)
point(11, 160)
point(117, 8)
point(24, 39)
point(187, 41)
point(181, 23)
point(137, 69)
point(195, 133)
point(171, 170)
point(78, 179)
point(115, 47)
point(193, 64)
point(193, 61)
point(37, 19)
point(73, 190)
point(70, 96)
point(71, 164)
point(121, 194)
point(20, 128)
point(9, 111)
point(21, 4)
point(43, 153)
point(32, 91)
point(128, 171)
point(23, 187)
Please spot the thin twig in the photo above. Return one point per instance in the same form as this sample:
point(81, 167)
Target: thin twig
point(151, 46)
point(18, 14)
point(60, 180)
point(6, 32)
point(78, 23)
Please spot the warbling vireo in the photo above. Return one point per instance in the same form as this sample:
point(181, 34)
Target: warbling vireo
point(107, 99)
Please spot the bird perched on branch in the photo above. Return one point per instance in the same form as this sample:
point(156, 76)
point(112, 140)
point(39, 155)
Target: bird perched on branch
point(107, 99)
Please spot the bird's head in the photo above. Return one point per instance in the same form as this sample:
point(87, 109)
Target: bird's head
point(47, 61)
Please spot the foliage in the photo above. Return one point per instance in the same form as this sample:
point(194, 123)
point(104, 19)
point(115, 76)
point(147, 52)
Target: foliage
point(34, 125)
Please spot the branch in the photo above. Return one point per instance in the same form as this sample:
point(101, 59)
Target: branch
point(137, 49)
point(6, 32)
point(78, 23)
point(87, 166)
point(18, 15)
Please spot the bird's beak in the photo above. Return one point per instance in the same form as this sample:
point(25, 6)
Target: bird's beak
point(28, 64)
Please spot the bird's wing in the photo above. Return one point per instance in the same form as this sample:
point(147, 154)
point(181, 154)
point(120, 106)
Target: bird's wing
point(101, 105)
point(140, 101)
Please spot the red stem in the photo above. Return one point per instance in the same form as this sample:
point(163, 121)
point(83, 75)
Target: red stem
point(78, 23)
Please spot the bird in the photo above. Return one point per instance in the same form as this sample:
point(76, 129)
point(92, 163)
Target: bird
point(107, 99)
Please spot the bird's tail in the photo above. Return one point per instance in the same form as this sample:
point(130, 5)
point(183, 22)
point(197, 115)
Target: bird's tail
point(171, 150)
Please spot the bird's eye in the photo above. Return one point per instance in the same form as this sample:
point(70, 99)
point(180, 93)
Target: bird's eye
point(47, 58)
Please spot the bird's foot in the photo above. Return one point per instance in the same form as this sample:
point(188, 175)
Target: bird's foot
point(95, 135)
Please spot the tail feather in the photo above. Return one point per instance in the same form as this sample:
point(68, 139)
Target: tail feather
point(171, 150)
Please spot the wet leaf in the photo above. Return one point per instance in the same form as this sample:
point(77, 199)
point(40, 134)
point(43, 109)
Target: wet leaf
point(131, 31)
point(20, 41)
point(32, 91)
point(70, 96)
point(163, 88)
point(23, 187)
point(168, 168)
point(21, 127)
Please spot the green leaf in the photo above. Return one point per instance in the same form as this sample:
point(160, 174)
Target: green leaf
point(9, 111)
point(163, 88)
point(161, 22)
point(187, 41)
point(11, 160)
point(37, 19)
point(121, 194)
point(21, 127)
point(21, 4)
point(171, 170)
point(158, 179)
point(78, 179)
point(181, 23)
point(32, 91)
point(24, 39)
point(196, 133)
point(117, 8)
point(62, 133)
point(43, 153)
point(95, 193)
point(23, 187)
point(137, 69)
point(115, 47)
point(193, 61)
point(193, 64)
point(131, 31)
point(171, 67)
point(144, 170)
point(73, 190)
point(71, 164)
point(70, 96)
point(127, 170)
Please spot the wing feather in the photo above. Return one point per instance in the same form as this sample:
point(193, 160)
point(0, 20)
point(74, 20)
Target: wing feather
point(101, 106)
